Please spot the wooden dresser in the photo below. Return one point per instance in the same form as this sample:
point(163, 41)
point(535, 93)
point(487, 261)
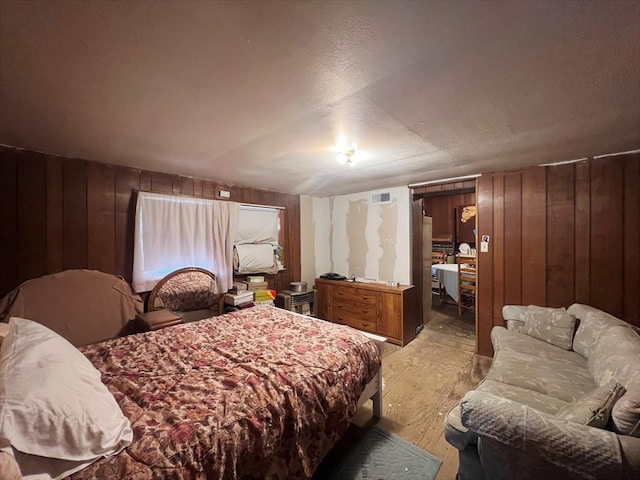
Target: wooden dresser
point(372, 307)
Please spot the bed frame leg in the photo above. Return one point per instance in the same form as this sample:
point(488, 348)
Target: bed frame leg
point(377, 398)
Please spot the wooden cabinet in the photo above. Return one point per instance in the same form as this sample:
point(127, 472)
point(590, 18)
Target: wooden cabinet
point(374, 308)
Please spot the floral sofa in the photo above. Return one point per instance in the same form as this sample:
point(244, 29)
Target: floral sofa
point(561, 400)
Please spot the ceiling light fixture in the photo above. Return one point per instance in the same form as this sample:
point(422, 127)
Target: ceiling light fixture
point(347, 153)
point(348, 157)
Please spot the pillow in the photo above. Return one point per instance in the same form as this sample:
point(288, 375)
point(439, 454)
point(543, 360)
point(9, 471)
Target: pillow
point(594, 408)
point(53, 402)
point(626, 414)
point(553, 326)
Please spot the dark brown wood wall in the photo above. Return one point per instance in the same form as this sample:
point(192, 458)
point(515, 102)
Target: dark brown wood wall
point(442, 209)
point(60, 213)
point(560, 235)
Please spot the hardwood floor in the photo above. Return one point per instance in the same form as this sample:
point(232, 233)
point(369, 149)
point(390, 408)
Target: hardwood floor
point(422, 382)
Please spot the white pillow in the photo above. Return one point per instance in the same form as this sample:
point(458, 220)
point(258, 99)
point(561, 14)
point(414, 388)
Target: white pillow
point(52, 402)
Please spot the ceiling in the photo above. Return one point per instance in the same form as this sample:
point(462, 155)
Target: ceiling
point(257, 93)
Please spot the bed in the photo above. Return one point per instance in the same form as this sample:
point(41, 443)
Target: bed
point(258, 393)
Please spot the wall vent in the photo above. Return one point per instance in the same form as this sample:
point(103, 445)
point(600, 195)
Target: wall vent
point(380, 198)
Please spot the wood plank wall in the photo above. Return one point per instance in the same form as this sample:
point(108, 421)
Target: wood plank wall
point(442, 209)
point(60, 213)
point(560, 235)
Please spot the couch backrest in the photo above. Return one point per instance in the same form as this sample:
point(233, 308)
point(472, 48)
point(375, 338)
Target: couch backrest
point(84, 306)
point(591, 324)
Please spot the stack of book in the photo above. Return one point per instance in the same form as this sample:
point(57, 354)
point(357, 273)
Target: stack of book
point(238, 287)
point(265, 296)
point(257, 286)
point(239, 299)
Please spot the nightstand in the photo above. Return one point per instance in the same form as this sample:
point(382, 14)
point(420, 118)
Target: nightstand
point(156, 320)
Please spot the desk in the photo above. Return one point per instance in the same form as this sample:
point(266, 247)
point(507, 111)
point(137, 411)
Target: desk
point(447, 274)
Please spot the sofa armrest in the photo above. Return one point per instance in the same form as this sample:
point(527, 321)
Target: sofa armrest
point(516, 435)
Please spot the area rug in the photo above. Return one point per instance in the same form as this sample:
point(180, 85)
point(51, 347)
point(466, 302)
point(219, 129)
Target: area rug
point(380, 455)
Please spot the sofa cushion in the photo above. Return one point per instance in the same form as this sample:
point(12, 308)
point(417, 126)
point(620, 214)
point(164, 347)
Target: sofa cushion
point(503, 339)
point(555, 326)
point(514, 315)
point(563, 380)
point(593, 408)
point(537, 400)
point(591, 323)
point(625, 415)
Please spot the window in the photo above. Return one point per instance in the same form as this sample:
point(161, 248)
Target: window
point(173, 232)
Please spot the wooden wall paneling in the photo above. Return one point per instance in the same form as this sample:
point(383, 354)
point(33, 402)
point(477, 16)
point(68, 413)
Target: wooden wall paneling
point(450, 215)
point(582, 248)
point(75, 213)
point(8, 220)
point(208, 189)
point(469, 199)
point(162, 183)
point(146, 181)
point(32, 215)
point(264, 197)
point(438, 209)
point(55, 214)
point(534, 236)
point(497, 246)
point(484, 300)
point(176, 184)
point(197, 187)
point(101, 228)
point(127, 180)
point(607, 236)
point(187, 186)
point(252, 195)
point(512, 238)
point(560, 235)
point(632, 239)
point(441, 209)
point(237, 194)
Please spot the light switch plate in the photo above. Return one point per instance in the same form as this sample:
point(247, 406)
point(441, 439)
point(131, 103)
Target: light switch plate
point(484, 247)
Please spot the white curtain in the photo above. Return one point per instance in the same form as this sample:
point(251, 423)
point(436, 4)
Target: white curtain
point(175, 232)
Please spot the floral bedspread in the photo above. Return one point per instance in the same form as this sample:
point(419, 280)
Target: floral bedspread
point(258, 393)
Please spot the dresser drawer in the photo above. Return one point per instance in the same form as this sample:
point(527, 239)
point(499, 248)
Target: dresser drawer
point(356, 307)
point(355, 296)
point(357, 320)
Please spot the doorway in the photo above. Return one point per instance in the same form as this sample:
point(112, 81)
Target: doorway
point(436, 225)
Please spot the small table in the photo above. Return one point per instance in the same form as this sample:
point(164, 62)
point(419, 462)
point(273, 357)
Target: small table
point(447, 274)
point(157, 319)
